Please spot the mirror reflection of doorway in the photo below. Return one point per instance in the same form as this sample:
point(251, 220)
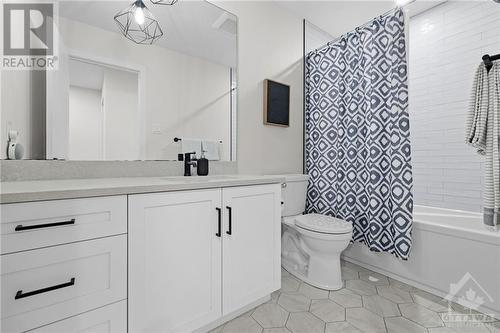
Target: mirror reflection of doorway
point(103, 112)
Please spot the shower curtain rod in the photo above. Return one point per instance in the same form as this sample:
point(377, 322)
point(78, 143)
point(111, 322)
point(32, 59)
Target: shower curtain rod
point(390, 11)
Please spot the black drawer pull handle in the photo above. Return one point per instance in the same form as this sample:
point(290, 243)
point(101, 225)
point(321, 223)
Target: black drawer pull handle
point(20, 294)
point(46, 225)
point(230, 215)
point(219, 213)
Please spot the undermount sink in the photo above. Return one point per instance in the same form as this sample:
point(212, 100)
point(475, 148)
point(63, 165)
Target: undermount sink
point(199, 179)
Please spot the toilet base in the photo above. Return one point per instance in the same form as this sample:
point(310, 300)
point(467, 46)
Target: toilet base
point(313, 257)
point(304, 278)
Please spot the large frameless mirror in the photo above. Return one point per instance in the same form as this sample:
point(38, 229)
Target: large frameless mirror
point(134, 81)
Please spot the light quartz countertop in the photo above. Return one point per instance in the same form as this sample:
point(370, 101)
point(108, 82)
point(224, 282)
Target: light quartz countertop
point(38, 190)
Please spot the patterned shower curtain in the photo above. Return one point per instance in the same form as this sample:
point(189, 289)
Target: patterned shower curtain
point(358, 136)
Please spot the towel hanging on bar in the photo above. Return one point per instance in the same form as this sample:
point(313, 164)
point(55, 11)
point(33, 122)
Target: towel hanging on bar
point(191, 145)
point(483, 132)
point(211, 150)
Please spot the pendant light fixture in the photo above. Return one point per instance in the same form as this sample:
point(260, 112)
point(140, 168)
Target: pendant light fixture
point(138, 24)
point(164, 2)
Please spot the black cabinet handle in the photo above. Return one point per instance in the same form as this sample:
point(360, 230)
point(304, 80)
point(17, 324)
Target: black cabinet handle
point(219, 213)
point(20, 227)
point(20, 293)
point(230, 215)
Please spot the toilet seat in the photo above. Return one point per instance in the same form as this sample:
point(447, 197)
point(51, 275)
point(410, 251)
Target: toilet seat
point(323, 224)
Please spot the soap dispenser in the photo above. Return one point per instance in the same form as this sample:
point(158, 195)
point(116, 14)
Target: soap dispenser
point(202, 167)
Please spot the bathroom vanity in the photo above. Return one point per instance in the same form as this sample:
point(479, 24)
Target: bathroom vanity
point(169, 254)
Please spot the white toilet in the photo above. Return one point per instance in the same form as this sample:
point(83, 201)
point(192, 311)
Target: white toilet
point(311, 244)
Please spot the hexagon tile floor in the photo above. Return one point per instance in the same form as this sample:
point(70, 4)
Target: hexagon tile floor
point(369, 303)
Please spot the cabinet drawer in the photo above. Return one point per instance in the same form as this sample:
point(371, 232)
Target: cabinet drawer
point(31, 225)
point(109, 319)
point(46, 285)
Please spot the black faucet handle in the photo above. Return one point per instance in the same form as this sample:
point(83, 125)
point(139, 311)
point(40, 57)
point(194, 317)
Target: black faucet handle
point(187, 156)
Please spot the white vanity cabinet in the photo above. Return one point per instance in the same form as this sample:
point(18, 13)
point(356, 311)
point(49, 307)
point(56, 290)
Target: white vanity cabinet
point(174, 261)
point(252, 244)
point(61, 259)
point(197, 256)
point(31, 225)
point(109, 319)
point(168, 260)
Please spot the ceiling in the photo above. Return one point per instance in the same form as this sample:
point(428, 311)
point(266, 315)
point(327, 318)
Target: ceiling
point(197, 28)
point(339, 17)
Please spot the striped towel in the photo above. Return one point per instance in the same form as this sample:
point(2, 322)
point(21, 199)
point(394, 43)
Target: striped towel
point(483, 133)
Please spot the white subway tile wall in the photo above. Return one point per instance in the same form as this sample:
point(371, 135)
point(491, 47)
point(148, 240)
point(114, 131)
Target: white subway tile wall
point(445, 47)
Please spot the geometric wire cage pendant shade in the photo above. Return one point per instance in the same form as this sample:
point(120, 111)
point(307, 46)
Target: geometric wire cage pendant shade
point(138, 24)
point(164, 2)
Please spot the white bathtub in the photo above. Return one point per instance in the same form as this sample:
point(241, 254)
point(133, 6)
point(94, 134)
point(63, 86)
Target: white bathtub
point(447, 244)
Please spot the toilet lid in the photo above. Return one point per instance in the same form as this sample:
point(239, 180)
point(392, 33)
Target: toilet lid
point(324, 224)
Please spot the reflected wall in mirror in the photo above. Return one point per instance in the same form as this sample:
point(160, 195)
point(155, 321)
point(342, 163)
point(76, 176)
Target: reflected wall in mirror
point(103, 106)
point(111, 99)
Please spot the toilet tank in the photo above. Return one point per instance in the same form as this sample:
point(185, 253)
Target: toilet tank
point(293, 194)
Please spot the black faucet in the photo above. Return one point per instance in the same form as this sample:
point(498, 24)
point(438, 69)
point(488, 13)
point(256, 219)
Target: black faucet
point(188, 162)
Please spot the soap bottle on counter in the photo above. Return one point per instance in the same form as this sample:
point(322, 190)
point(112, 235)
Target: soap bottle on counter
point(202, 167)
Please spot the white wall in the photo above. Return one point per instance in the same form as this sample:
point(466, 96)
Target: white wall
point(85, 124)
point(15, 111)
point(337, 17)
point(22, 106)
point(269, 47)
point(197, 105)
point(446, 46)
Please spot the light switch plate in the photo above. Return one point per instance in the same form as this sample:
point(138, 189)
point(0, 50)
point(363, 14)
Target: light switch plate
point(156, 129)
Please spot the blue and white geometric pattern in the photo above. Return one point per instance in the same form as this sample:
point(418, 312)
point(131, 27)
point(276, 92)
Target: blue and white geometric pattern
point(358, 135)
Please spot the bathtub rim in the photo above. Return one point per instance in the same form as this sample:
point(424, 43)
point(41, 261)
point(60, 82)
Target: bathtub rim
point(449, 211)
point(475, 233)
